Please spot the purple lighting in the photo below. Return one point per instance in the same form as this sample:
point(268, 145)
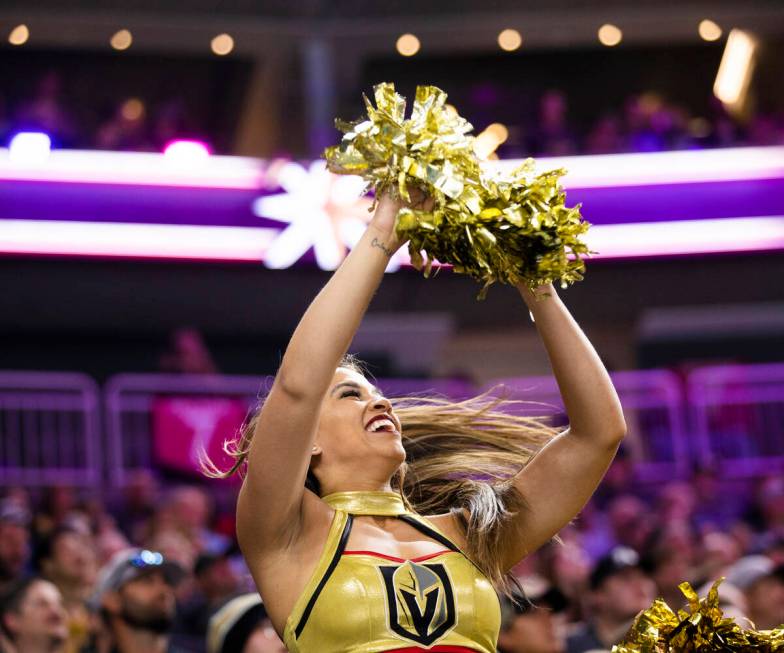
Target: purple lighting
point(189, 204)
point(29, 148)
point(186, 153)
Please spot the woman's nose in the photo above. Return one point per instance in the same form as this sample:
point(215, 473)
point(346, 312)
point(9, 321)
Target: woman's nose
point(382, 403)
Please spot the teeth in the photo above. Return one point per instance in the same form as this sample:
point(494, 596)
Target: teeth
point(380, 424)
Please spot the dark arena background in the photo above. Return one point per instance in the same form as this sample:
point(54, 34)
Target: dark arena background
point(166, 218)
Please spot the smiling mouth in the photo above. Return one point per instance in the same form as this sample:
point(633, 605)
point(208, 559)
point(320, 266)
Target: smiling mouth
point(381, 424)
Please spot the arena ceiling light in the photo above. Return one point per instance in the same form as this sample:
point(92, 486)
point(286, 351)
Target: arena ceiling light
point(609, 35)
point(121, 40)
point(407, 45)
point(19, 35)
point(709, 31)
point(222, 44)
point(510, 40)
point(735, 70)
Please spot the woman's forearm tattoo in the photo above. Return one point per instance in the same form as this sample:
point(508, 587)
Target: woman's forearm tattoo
point(386, 250)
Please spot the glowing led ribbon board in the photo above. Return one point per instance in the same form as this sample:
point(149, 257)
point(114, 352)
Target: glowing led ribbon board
point(141, 205)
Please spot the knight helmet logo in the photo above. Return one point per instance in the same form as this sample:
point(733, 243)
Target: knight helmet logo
point(420, 601)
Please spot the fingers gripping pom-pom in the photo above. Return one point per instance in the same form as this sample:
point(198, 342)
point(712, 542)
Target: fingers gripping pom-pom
point(509, 227)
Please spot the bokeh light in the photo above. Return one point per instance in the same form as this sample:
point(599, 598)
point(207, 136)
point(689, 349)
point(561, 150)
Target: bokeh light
point(29, 148)
point(19, 35)
point(222, 44)
point(132, 109)
point(121, 40)
point(408, 45)
point(709, 31)
point(510, 40)
point(610, 35)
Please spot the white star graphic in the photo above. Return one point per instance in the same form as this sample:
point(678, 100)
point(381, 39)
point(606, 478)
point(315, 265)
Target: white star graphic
point(323, 211)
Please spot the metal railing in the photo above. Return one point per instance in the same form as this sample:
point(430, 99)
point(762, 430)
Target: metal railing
point(730, 416)
point(129, 401)
point(737, 413)
point(653, 407)
point(49, 429)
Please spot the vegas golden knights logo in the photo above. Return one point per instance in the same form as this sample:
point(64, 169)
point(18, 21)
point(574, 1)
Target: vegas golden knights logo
point(420, 601)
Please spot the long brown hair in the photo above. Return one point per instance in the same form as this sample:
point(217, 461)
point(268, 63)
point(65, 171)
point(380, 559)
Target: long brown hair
point(461, 457)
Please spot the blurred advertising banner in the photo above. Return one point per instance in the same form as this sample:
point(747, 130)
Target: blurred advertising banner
point(184, 427)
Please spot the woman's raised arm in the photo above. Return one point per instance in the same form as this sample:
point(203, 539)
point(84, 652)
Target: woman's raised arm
point(557, 483)
point(268, 508)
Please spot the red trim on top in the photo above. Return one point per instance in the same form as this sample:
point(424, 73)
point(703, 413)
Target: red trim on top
point(435, 649)
point(394, 559)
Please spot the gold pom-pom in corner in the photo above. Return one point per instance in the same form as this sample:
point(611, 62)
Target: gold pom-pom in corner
point(509, 227)
point(703, 628)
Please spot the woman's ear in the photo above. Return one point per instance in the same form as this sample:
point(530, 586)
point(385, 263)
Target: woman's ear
point(315, 450)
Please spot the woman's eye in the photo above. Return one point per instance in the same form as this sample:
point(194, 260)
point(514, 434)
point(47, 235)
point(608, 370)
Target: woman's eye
point(350, 393)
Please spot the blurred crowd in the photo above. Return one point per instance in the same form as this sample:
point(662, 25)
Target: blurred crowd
point(155, 567)
point(132, 124)
point(644, 122)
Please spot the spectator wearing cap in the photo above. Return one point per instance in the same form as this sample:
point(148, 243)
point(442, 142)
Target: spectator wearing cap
point(135, 597)
point(14, 544)
point(761, 582)
point(33, 618)
point(241, 626)
point(533, 625)
point(619, 590)
point(215, 582)
point(66, 557)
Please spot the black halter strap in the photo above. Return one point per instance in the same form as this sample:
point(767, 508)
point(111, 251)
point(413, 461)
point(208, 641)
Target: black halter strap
point(333, 563)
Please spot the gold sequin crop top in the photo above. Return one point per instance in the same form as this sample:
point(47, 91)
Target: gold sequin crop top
point(368, 602)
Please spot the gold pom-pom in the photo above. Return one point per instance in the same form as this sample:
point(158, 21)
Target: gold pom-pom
point(510, 227)
point(703, 628)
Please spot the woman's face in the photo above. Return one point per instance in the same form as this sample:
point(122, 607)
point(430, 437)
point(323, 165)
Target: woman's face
point(357, 426)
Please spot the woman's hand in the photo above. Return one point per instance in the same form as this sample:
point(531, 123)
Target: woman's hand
point(532, 298)
point(383, 221)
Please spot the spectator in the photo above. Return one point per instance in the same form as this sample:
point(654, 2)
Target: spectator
point(762, 584)
point(241, 626)
point(552, 135)
point(668, 558)
point(719, 551)
point(67, 559)
point(567, 567)
point(605, 137)
point(135, 598)
point(188, 354)
point(58, 504)
point(47, 112)
point(140, 496)
point(619, 590)
point(191, 510)
point(216, 581)
point(33, 618)
point(626, 522)
point(533, 626)
point(718, 506)
point(126, 129)
point(14, 543)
